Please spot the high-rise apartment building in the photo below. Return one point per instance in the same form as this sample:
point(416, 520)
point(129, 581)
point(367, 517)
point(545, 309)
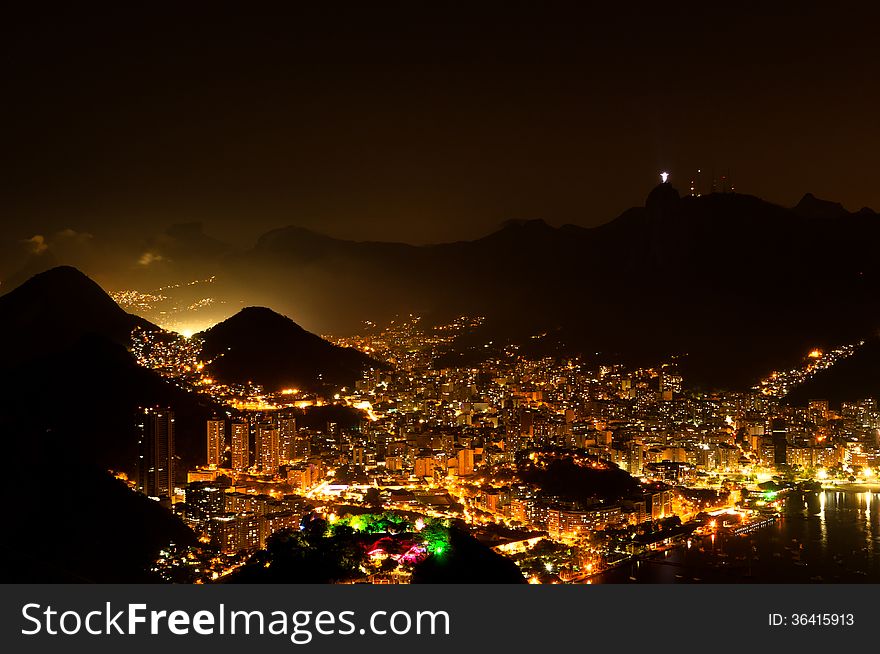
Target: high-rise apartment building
point(241, 458)
point(465, 462)
point(779, 431)
point(155, 469)
point(287, 434)
point(268, 447)
point(216, 441)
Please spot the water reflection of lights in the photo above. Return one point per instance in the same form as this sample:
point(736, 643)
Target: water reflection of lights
point(870, 536)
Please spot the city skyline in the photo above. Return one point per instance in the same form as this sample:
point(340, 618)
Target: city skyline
point(409, 293)
point(752, 432)
point(551, 468)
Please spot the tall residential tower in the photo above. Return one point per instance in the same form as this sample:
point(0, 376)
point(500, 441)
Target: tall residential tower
point(155, 474)
point(216, 441)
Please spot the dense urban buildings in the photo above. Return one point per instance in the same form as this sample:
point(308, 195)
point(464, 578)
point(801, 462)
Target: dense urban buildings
point(544, 459)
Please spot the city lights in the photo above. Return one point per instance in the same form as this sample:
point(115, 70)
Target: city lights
point(472, 444)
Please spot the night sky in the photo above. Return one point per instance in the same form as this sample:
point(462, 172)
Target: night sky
point(424, 125)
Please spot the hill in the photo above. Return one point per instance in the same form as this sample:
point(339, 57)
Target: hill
point(262, 346)
point(54, 309)
point(467, 561)
point(66, 369)
point(854, 378)
point(80, 525)
point(69, 389)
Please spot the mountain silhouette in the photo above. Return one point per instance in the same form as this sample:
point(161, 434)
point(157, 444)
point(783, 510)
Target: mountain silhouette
point(54, 309)
point(69, 390)
point(66, 368)
point(812, 207)
point(467, 561)
point(84, 526)
point(735, 285)
point(264, 347)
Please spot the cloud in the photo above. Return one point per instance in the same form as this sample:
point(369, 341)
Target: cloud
point(36, 244)
point(59, 242)
point(72, 236)
point(149, 258)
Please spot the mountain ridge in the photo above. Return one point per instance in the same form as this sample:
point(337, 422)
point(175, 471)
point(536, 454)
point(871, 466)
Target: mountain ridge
point(676, 275)
point(679, 274)
point(61, 305)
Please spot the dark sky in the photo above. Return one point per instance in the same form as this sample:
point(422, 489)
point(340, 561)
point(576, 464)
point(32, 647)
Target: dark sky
point(424, 125)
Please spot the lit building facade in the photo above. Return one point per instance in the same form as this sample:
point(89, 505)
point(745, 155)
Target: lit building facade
point(155, 469)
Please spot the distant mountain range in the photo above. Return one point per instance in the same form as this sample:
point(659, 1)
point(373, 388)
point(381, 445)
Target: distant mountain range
point(734, 285)
point(738, 284)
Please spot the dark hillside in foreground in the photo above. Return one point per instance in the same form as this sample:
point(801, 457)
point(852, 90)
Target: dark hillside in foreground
point(79, 525)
